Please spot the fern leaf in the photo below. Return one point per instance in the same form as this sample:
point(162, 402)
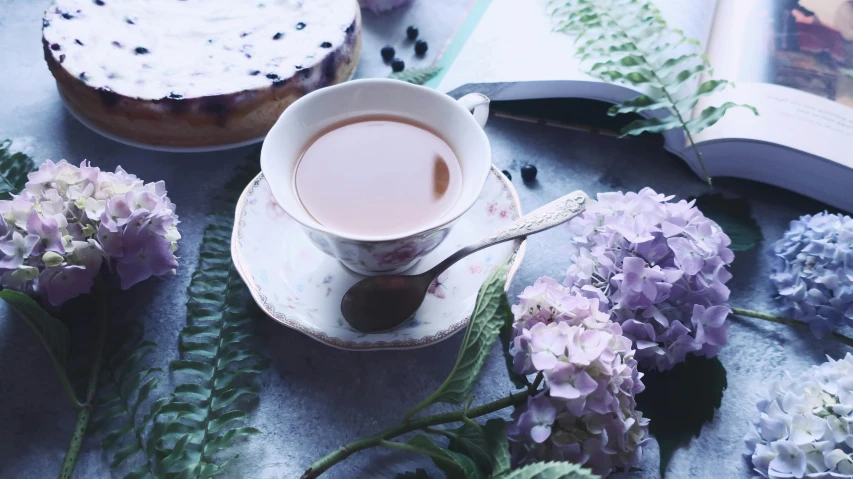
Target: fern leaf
point(217, 368)
point(631, 43)
point(14, 168)
point(120, 399)
point(417, 76)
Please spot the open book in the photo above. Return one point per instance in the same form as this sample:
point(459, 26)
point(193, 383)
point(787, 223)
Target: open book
point(791, 59)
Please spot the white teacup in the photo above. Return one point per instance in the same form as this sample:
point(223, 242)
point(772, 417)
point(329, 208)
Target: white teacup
point(452, 120)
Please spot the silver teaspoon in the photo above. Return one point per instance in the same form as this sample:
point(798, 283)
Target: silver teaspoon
point(380, 303)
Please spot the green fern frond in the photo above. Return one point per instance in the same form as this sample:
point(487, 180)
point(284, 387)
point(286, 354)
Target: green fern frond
point(14, 168)
point(126, 384)
point(631, 43)
point(218, 365)
point(417, 76)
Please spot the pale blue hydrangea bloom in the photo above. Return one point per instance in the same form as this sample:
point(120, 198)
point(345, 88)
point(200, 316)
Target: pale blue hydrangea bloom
point(660, 268)
point(586, 413)
point(56, 234)
point(805, 427)
point(813, 270)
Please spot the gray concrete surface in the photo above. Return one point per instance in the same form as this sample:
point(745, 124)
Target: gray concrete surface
point(314, 397)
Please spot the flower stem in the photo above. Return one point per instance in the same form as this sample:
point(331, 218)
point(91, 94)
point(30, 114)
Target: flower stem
point(786, 321)
point(83, 416)
point(343, 452)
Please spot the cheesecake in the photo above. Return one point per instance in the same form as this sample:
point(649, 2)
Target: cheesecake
point(192, 73)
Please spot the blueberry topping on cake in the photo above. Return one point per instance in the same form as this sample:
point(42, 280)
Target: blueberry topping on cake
point(141, 50)
point(398, 65)
point(387, 53)
point(277, 36)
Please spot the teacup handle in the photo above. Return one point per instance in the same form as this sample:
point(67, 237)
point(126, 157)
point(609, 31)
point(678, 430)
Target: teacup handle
point(478, 104)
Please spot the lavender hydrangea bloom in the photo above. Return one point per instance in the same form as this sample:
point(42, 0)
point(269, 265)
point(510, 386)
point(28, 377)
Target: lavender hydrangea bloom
point(56, 234)
point(805, 427)
point(660, 268)
point(586, 413)
point(813, 270)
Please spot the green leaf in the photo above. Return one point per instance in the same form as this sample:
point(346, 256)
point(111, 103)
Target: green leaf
point(416, 474)
point(651, 125)
point(490, 313)
point(497, 445)
point(14, 168)
point(454, 465)
point(417, 76)
point(712, 115)
point(637, 104)
point(699, 382)
point(198, 368)
point(629, 41)
point(124, 453)
point(519, 380)
point(734, 217)
point(550, 470)
point(469, 440)
point(53, 334)
point(221, 441)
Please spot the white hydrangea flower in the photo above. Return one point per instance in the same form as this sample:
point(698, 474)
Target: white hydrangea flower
point(805, 427)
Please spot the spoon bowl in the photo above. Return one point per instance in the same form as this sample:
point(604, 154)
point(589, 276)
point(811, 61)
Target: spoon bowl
point(381, 303)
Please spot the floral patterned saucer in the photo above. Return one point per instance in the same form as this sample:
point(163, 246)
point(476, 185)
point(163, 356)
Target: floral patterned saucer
point(301, 287)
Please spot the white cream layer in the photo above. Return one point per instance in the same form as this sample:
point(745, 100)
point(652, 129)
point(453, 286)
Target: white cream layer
point(150, 49)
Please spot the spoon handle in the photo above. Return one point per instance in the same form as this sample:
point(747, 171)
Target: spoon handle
point(554, 213)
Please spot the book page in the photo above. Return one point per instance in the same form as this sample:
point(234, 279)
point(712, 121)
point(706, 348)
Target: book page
point(515, 42)
point(793, 60)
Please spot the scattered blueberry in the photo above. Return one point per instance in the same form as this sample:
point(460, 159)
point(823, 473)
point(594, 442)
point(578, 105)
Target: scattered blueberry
point(272, 76)
point(175, 96)
point(116, 44)
point(277, 36)
point(325, 45)
point(82, 76)
point(506, 173)
point(411, 32)
point(300, 25)
point(78, 42)
point(398, 65)
point(255, 72)
point(129, 21)
point(61, 58)
point(99, 3)
point(421, 47)
point(55, 47)
point(140, 50)
point(67, 16)
point(528, 173)
point(387, 53)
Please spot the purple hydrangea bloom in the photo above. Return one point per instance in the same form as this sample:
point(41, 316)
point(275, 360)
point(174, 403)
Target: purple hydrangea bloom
point(56, 234)
point(660, 268)
point(813, 270)
point(586, 412)
point(805, 427)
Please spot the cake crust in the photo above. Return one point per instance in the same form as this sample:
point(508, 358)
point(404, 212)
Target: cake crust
point(186, 120)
